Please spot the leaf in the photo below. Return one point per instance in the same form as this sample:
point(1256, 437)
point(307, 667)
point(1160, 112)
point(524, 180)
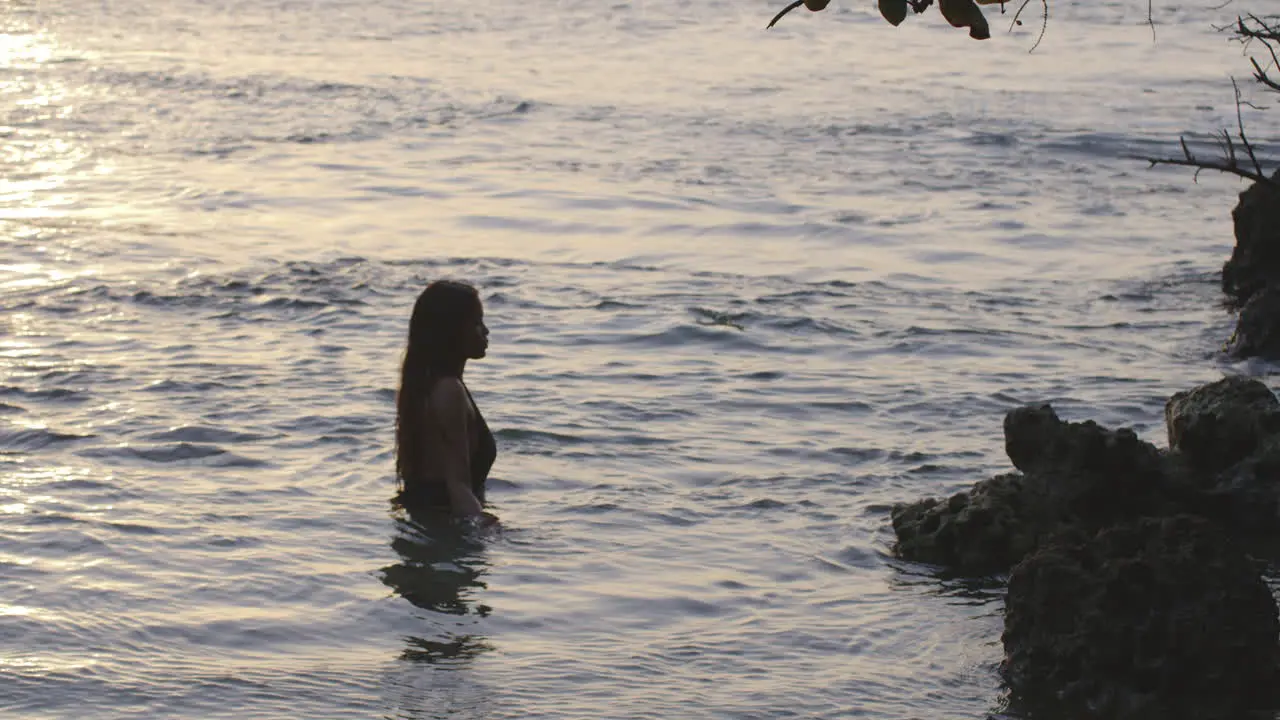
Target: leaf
point(895, 11)
point(979, 29)
point(965, 13)
point(816, 5)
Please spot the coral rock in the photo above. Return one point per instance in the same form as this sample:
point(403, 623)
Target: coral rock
point(1154, 618)
point(985, 530)
point(1217, 425)
point(1255, 261)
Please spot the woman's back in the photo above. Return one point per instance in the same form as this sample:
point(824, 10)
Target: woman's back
point(443, 443)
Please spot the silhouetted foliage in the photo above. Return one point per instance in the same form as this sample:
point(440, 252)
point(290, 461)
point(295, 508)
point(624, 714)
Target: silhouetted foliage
point(1238, 153)
point(958, 13)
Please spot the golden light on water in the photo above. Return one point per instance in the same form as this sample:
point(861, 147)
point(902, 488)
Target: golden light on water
point(48, 162)
point(17, 349)
point(42, 159)
point(9, 610)
point(39, 477)
point(31, 275)
point(25, 50)
point(43, 665)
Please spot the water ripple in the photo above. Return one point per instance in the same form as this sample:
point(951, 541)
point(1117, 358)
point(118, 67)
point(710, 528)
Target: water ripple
point(735, 317)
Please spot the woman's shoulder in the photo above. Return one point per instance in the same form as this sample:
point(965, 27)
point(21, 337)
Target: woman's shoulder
point(448, 397)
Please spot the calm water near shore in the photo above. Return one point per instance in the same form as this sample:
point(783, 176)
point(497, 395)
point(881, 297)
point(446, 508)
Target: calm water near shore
point(747, 290)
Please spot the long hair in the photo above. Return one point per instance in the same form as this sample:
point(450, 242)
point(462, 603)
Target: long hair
point(440, 317)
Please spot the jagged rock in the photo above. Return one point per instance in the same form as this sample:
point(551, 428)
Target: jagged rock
point(1258, 327)
point(1092, 474)
point(1255, 261)
point(1246, 496)
point(1037, 440)
point(1158, 618)
point(1217, 425)
point(983, 531)
point(1074, 474)
point(1229, 433)
point(1224, 464)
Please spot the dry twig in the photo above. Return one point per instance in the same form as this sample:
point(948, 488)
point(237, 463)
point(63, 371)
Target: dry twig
point(1248, 29)
point(1230, 160)
point(1044, 23)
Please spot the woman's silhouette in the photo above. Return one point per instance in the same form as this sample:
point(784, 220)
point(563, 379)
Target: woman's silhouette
point(444, 449)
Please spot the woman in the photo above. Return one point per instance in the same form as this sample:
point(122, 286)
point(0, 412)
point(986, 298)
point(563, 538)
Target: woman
point(444, 449)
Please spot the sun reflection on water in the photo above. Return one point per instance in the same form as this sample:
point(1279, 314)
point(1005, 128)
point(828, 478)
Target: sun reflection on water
point(39, 156)
point(16, 610)
point(20, 51)
point(28, 276)
point(46, 665)
point(42, 477)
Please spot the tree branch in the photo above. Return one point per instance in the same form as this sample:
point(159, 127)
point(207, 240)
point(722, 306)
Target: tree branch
point(1229, 163)
point(1244, 139)
point(1261, 76)
point(1226, 167)
point(1247, 29)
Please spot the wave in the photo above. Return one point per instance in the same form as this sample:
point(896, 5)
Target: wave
point(29, 439)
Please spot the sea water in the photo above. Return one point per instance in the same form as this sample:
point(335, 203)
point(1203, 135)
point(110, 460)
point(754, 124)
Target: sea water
point(747, 288)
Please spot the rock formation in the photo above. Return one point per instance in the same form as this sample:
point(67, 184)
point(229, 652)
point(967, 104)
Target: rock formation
point(1223, 462)
point(1130, 595)
point(1155, 618)
point(1073, 475)
point(1255, 261)
point(1251, 277)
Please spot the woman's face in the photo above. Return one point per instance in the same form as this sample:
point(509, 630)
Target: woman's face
point(475, 337)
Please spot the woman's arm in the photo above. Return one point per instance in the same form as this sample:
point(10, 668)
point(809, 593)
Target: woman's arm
point(451, 412)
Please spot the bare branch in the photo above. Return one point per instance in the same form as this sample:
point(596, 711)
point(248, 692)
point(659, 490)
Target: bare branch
point(1228, 164)
point(1228, 149)
point(1044, 26)
point(1251, 27)
point(1247, 29)
point(1275, 62)
point(1261, 76)
point(1244, 139)
point(1202, 165)
point(1018, 15)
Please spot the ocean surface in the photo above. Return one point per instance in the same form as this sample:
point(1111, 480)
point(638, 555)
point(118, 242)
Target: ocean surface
point(747, 290)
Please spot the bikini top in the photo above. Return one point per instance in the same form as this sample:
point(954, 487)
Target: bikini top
point(483, 454)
